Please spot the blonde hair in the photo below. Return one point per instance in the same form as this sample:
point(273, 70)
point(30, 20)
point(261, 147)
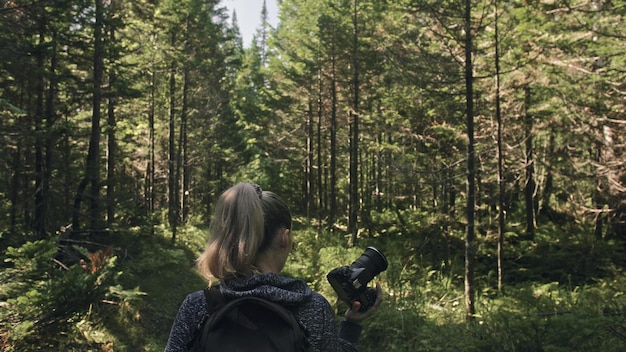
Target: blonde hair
point(244, 223)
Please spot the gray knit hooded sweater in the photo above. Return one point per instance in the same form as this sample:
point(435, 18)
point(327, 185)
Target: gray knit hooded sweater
point(310, 308)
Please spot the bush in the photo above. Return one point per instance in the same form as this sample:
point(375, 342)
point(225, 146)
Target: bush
point(45, 303)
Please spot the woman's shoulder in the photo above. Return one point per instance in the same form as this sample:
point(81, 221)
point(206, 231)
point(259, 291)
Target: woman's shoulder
point(195, 298)
point(317, 307)
point(191, 312)
point(318, 300)
point(194, 306)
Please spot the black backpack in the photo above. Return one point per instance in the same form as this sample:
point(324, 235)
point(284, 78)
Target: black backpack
point(247, 324)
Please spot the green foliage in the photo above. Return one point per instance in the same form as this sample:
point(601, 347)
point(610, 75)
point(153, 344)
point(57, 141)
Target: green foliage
point(27, 263)
point(423, 309)
point(165, 273)
point(424, 303)
point(45, 302)
point(552, 317)
point(127, 303)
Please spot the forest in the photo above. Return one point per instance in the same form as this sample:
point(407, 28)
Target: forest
point(478, 144)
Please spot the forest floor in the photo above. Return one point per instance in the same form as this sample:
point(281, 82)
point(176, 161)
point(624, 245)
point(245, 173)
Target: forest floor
point(564, 293)
point(166, 274)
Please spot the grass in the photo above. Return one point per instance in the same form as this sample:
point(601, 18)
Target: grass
point(166, 274)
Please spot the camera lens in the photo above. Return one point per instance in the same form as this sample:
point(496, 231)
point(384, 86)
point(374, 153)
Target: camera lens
point(372, 261)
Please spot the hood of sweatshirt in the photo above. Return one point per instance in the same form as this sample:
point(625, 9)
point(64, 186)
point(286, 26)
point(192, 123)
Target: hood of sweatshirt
point(273, 287)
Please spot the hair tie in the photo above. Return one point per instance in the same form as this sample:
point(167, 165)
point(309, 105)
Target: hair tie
point(258, 189)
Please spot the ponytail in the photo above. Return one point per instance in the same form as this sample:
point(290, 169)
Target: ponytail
point(237, 232)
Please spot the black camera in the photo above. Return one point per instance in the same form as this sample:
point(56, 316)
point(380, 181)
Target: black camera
point(350, 282)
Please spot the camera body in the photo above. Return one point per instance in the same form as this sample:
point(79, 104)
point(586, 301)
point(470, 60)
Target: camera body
point(350, 282)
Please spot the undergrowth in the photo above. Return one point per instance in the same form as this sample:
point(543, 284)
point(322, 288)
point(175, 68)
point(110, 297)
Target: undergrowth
point(564, 291)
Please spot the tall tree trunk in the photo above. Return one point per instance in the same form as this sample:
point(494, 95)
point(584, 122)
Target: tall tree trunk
point(26, 198)
point(450, 201)
point(501, 212)
point(39, 225)
point(354, 141)
point(389, 189)
point(333, 138)
point(308, 168)
point(172, 190)
point(614, 188)
point(68, 191)
point(321, 205)
point(181, 154)
point(15, 185)
point(186, 177)
point(530, 184)
point(50, 121)
point(549, 187)
point(608, 196)
point(112, 142)
point(471, 188)
point(94, 144)
point(150, 169)
point(364, 178)
point(379, 173)
point(92, 165)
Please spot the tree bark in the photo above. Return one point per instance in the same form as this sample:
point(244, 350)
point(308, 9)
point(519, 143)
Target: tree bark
point(51, 117)
point(501, 210)
point(181, 155)
point(172, 189)
point(39, 221)
point(92, 168)
point(150, 170)
point(333, 136)
point(111, 142)
point(530, 184)
point(549, 185)
point(321, 205)
point(471, 188)
point(308, 168)
point(15, 185)
point(354, 141)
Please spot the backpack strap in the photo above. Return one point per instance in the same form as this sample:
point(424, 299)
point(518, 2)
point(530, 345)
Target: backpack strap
point(214, 298)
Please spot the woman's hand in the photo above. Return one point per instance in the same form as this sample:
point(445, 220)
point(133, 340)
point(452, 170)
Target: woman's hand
point(355, 316)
